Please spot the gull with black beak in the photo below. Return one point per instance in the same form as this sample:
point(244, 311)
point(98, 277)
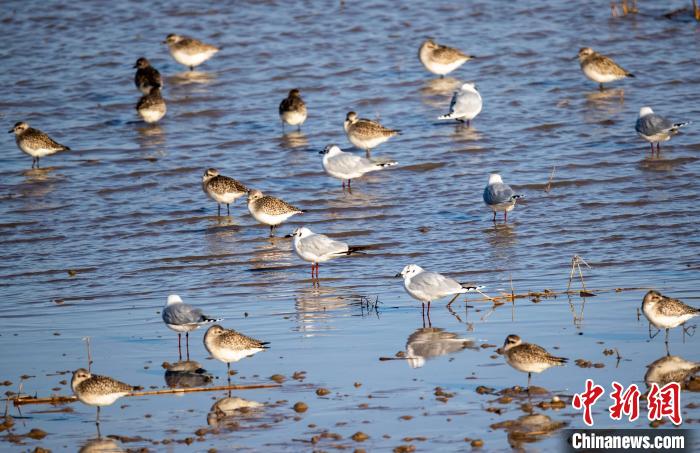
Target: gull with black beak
point(499, 196)
point(347, 166)
point(319, 248)
point(182, 317)
point(655, 128)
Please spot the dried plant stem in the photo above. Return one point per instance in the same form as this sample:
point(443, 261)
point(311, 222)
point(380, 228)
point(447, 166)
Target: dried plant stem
point(549, 181)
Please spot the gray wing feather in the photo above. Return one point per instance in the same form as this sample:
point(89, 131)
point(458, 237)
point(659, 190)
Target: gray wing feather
point(498, 193)
point(322, 245)
point(467, 104)
point(180, 314)
point(350, 163)
point(652, 124)
point(434, 283)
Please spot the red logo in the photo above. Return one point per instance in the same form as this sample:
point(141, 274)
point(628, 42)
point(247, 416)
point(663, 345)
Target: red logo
point(626, 402)
point(665, 402)
point(587, 399)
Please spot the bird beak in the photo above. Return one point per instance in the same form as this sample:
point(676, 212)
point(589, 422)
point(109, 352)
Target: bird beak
point(136, 66)
point(10, 131)
point(397, 275)
point(289, 235)
point(575, 58)
point(164, 42)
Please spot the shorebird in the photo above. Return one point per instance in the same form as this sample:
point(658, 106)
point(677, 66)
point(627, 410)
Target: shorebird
point(34, 142)
point(95, 390)
point(465, 105)
point(348, 166)
point(670, 368)
point(146, 76)
point(599, 68)
point(230, 346)
point(655, 128)
point(189, 51)
point(151, 107)
point(366, 134)
point(318, 248)
point(293, 109)
point(222, 189)
point(427, 286)
point(529, 358)
point(666, 313)
point(270, 210)
point(441, 60)
point(499, 196)
point(181, 317)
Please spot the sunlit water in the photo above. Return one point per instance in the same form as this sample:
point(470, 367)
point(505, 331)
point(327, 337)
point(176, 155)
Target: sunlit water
point(125, 211)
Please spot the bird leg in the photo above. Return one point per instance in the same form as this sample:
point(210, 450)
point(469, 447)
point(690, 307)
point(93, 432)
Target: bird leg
point(97, 422)
point(228, 372)
point(494, 216)
point(651, 337)
point(37, 162)
point(469, 123)
point(529, 376)
point(191, 68)
point(228, 210)
point(179, 347)
point(218, 210)
point(272, 230)
point(453, 299)
point(349, 184)
point(187, 344)
point(430, 323)
point(367, 152)
point(601, 87)
point(505, 216)
point(666, 340)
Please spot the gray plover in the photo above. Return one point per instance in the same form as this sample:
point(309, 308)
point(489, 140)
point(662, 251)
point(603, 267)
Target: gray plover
point(319, 248)
point(465, 105)
point(222, 189)
point(499, 196)
point(655, 128)
point(529, 358)
point(427, 286)
point(348, 166)
point(366, 134)
point(293, 109)
point(228, 346)
point(599, 68)
point(270, 210)
point(441, 60)
point(670, 368)
point(182, 317)
point(34, 142)
point(666, 313)
point(189, 51)
point(146, 76)
point(151, 107)
point(96, 390)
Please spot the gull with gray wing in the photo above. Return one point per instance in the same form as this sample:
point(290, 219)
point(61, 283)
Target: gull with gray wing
point(319, 248)
point(499, 196)
point(348, 166)
point(182, 317)
point(465, 105)
point(655, 128)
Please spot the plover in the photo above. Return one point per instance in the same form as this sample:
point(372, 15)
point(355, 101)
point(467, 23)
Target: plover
point(430, 342)
point(529, 358)
point(222, 189)
point(293, 109)
point(441, 60)
point(34, 142)
point(270, 210)
point(151, 107)
point(189, 51)
point(95, 390)
point(230, 346)
point(146, 76)
point(600, 68)
point(318, 248)
point(366, 134)
point(666, 313)
point(348, 166)
point(231, 406)
point(499, 196)
point(465, 105)
point(181, 317)
point(427, 286)
point(670, 368)
point(655, 128)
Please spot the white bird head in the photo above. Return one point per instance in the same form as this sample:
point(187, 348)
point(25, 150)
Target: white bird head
point(469, 86)
point(511, 341)
point(300, 232)
point(331, 150)
point(644, 111)
point(173, 299)
point(495, 178)
point(409, 271)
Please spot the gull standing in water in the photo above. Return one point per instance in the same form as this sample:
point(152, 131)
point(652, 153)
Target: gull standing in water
point(499, 196)
point(222, 189)
point(270, 210)
point(292, 109)
point(95, 390)
point(318, 248)
point(366, 134)
point(600, 68)
point(427, 286)
point(34, 142)
point(348, 166)
point(529, 358)
point(666, 313)
point(466, 104)
point(182, 317)
point(228, 346)
point(655, 128)
point(189, 51)
point(441, 60)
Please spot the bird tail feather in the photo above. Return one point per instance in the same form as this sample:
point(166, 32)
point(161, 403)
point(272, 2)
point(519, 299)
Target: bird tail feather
point(448, 116)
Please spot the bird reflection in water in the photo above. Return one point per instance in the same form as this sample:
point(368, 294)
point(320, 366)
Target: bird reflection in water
point(228, 410)
point(192, 77)
point(150, 136)
point(440, 87)
point(186, 374)
point(601, 105)
point(464, 133)
point(528, 429)
point(670, 368)
point(294, 139)
point(316, 306)
point(430, 342)
point(101, 445)
point(38, 182)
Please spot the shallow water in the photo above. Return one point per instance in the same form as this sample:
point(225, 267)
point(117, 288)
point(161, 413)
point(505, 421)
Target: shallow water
point(125, 211)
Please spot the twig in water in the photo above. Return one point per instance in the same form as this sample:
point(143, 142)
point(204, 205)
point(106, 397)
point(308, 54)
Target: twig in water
point(576, 264)
point(551, 178)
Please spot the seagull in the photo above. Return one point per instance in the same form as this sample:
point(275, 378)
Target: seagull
point(655, 128)
point(600, 68)
point(146, 76)
point(528, 357)
point(441, 60)
point(466, 104)
point(270, 210)
point(366, 134)
point(292, 109)
point(228, 346)
point(222, 189)
point(95, 390)
point(318, 248)
point(347, 166)
point(34, 142)
point(427, 286)
point(499, 196)
point(666, 313)
point(189, 51)
point(182, 317)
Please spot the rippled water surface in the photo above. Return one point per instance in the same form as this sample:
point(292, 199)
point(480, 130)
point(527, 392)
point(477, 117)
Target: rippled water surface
point(93, 242)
